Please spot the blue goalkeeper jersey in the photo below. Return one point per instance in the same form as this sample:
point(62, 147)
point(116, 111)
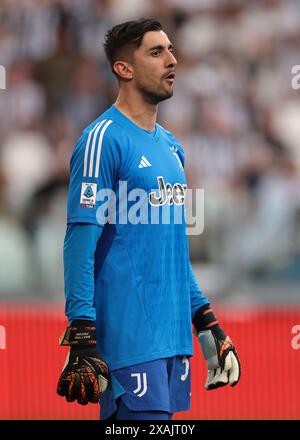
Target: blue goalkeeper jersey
point(127, 266)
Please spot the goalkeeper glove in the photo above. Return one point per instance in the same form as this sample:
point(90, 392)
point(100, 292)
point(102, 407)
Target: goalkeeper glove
point(85, 374)
point(219, 352)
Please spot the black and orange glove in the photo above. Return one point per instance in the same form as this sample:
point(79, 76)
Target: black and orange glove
point(85, 375)
point(218, 350)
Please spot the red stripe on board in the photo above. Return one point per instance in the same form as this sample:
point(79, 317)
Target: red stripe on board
point(269, 387)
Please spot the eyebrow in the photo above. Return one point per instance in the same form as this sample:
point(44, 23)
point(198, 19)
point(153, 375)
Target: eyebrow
point(160, 47)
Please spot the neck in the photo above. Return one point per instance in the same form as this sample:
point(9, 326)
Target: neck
point(132, 105)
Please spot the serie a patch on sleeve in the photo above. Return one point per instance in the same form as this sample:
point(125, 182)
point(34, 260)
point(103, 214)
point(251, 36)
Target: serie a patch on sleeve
point(88, 195)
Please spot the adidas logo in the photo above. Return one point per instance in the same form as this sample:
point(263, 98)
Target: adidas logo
point(144, 163)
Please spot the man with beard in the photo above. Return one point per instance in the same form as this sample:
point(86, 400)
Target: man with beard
point(131, 295)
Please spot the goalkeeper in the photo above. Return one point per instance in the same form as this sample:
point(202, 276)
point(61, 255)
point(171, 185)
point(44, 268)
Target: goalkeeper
point(131, 295)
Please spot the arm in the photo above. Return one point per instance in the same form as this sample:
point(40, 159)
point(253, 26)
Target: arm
point(85, 374)
point(79, 248)
point(197, 297)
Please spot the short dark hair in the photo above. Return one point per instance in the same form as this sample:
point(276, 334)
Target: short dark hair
point(127, 36)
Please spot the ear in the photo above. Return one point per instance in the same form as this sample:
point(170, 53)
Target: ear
point(123, 69)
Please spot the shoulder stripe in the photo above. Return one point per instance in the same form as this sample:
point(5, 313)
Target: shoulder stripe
point(87, 145)
point(93, 147)
point(100, 147)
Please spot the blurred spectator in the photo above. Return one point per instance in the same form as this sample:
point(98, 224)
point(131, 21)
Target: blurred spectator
point(16, 272)
point(26, 160)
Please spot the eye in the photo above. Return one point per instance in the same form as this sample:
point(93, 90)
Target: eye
point(155, 53)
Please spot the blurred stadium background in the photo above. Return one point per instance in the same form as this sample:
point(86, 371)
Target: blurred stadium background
point(238, 118)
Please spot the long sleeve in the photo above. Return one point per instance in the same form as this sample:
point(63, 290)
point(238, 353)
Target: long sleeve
point(79, 248)
point(95, 165)
point(198, 299)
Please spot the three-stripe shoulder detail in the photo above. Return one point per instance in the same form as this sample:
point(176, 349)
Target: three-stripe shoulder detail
point(90, 147)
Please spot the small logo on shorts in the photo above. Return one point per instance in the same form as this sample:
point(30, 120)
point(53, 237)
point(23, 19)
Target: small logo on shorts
point(185, 361)
point(142, 386)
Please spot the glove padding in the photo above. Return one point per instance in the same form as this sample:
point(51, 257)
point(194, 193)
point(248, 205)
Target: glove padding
point(84, 377)
point(222, 360)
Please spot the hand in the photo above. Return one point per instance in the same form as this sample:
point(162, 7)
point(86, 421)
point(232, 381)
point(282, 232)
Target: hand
point(84, 377)
point(222, 360)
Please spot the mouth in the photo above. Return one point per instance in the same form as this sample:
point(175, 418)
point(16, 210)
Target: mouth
point(170, 77)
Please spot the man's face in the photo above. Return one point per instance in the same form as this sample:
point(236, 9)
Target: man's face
point(154, 67)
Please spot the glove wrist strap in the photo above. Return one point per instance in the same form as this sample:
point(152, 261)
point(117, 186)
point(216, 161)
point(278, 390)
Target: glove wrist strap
point(76, 336)
point(204, 318)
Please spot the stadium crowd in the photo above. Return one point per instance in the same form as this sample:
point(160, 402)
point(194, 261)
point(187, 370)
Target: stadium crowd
point(234, 110)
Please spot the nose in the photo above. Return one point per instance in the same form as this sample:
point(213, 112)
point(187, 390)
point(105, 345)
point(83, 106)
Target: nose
point(171, 60)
